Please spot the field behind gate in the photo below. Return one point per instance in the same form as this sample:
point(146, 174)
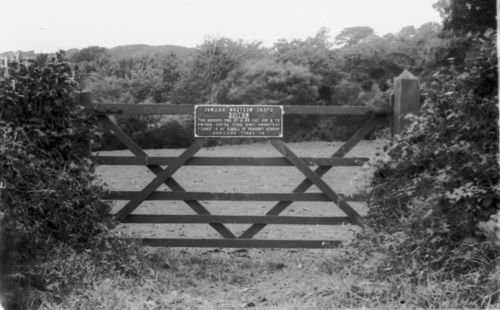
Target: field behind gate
point(344, 180)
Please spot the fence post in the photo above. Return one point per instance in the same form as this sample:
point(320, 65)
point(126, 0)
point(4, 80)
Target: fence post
point(82, 98)
point(406, 99)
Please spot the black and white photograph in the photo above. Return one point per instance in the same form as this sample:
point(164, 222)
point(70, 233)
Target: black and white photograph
point(236, 154)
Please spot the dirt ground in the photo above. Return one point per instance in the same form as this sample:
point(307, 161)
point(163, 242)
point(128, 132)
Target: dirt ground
point(241, 278)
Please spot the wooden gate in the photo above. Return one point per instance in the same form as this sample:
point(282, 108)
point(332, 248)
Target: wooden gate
point(376, 116)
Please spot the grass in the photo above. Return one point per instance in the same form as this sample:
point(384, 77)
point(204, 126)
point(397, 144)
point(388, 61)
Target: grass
point(218, 279)
point(264, 279)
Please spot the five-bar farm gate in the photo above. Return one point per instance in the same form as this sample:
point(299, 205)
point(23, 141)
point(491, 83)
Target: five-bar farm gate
point(406, 100)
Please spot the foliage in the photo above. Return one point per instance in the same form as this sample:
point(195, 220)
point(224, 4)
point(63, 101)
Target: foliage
point(462, 16)
point(267, 82)
point(434, 205)
point(315, 54)
point(136, 80)
point(91, 58)
point(45, 162)
point(440, 186)
point(89, 54)
point(215, 58)
point(50, 196)
point(379, 59)
point(351, 35)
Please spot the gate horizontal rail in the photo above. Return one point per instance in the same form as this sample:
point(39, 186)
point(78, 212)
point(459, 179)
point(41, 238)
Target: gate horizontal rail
point(227, 161)
point(159, 195)
point(241, 243)
point(235, 219)
point(187, 109)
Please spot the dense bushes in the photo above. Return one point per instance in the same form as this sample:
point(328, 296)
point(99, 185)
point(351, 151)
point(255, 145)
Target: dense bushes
point(45, 163)
point(434, 206)
point(50, 197)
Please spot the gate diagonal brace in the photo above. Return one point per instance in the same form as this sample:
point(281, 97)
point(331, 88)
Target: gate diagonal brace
point(316, 180)
point(157, 170)
point(320, 171)
point(159, 180)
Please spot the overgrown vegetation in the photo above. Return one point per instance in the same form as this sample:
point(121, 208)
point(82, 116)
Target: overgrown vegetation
point(45, 158)
point(434, 207)
point(51, 203)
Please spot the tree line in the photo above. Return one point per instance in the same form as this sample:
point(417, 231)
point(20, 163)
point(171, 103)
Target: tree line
point(356, 67)
point(353, 69)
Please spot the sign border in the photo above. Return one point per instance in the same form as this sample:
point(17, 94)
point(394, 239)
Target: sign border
point(239, 106)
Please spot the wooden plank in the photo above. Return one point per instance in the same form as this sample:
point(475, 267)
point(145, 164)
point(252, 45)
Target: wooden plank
point(304, 185)
point(233, 219)
point(171, 182)
point(129, 195)
point(316, 180)
point(143, 109)
point(241, 243)
point(335, 110)
point(159, 180)
point(227, 161)
point(187, 109)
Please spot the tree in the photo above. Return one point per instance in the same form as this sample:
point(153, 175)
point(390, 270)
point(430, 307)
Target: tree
point(214, 60)
point(462, 16)
point(380, 59)
point(314, 53)
point(91, 58)
point(170, 75)
point(88, 54)
point(267, 82)
point(352, 35)
point(406, 33)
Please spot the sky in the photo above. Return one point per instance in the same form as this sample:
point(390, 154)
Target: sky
point(51, 25)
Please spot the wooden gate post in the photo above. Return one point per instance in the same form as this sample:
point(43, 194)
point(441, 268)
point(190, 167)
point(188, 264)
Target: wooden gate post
point(406, 99)
point(82, 98)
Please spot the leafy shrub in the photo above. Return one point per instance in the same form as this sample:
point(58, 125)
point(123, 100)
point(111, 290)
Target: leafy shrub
point(440, 186)
point(50, 197)
point(45, 162)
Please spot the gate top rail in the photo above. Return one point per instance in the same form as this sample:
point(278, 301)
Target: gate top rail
point(187, 109)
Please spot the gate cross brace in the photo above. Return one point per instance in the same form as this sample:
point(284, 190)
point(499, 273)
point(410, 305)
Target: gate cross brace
point(320, 171)
point(159, 180)
point(316, 180)
point(157, 170)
